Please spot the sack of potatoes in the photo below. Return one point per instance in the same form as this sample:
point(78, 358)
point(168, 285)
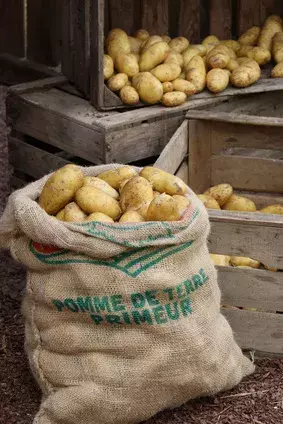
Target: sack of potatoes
point(120, 283)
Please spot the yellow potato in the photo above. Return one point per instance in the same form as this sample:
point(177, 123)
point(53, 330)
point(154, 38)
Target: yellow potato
point(167, 87)
point(221, 193)
point(208, 201)
point(166, 38)
point(220, 260)
point(129, 96)
point(114, 34)
point(163, 182)
point(135, 193)
point(142, 210)
point(259, 54)
point(271, 26)
point(201, 48)
point(137, 56)
point(61, 214)
point(148, 87)
point(153, 56)
point(91, 199)
point(233, 44)
point(122, 184)
point(115, 177)
point(101, 185)
point(131, 216)
point(217, 80)
point(98, 216)
point(185, 86)
point(117, 82)
point(239, 203)
point(211, 40)
point(182, 75)
point(117, 42)
point(164, 208)
point(273, 209)
point(174, 57)
point(218, 57)
point(250, 37)
point(196, 73)
point(246, 74)
point(277, 47)
point(127, 64)
point(268, 268)
point(277, 71)
point(166, 72)
point(232, 65)
point(60, 188)
point(141, 34)
point(135, 44)
point(182, 201)
point(150, 41)
point(176, 98)
point(73, 213)
point(188, 55)
point(179, 44)
point(156, 193)
point(108, 67)
point(243, 261)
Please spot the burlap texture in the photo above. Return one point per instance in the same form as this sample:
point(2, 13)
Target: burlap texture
point(123, 320)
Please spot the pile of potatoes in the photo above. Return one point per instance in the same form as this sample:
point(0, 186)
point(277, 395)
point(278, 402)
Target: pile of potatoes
point(157, 69)
point(120, 195)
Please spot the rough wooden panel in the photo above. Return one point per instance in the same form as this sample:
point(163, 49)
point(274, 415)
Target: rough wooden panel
point(12, 38)
point(183, 171)
point(96, 53)
point(154, 16)
point(237, 118)
point(189, 21)
point(256, 330)
point(67, 57)
point(37, 85)
point(122, 15)
point(221, 18)
point(248, 14)
point(175, 151)
point(270, 7)
point(255, 288)
point(56, 30)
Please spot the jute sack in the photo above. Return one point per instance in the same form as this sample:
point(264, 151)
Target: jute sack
point(124, 320)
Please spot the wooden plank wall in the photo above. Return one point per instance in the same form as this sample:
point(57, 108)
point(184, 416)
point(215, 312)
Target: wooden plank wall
point(12, 39)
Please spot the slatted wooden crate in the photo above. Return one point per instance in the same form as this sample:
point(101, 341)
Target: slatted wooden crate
point(239, 142)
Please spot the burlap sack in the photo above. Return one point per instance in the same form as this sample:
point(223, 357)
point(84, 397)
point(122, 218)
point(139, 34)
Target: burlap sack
point(122, 321)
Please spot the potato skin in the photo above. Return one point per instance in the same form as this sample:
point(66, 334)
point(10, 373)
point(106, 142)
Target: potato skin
point(117, 42)
point(153, 56)
point(201, 48)
point(73, 213)
point(135, 44)
point(101, 185)
point(60, 188)
point(217, 80)
point(167, 87)
point(239, 203)
point(135, 193)
point(141, 34)
point(108, 67)
point(273, 209)
point(117, 82)
point(100, 217)
point(243, 261)
point(129, 95)
point(149, 42)
point(164, 208)
point(218, 57)
point(91, 199)
point(127, 64)
point(179, 44)
point(271, 26)
point(174, 57)
point(220, 260)
point(210, 40)
point(232, 44)
point(259, 54)
point(250, 37)
point(163, 182)
point(131, 216)
point(246, 74)
point(176, 98)
point(60, 215)
point(166, 72)
point(196, 73)
point(221, 193)
point(232, 65)
point(166, 38)
point(277, 71)
point(277, 47)
point(115, 177)
point(185, 86)
point(208, 201)
point(183, 202)
point(188, 55)
point(148, 87)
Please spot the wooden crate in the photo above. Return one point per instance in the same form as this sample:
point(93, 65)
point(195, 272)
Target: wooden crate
point(239, 142)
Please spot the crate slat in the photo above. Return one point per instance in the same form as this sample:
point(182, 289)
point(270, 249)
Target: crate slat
point(189, 20)
point(248, 14)
point(154, 16)
point(67, 56)
point(221, 18)
point(183, 171)
point(12, 38)
point(123, 14)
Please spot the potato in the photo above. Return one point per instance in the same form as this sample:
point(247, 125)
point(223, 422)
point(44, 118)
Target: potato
point(243, 261)
point(142, 210)
point(250, 37)
point(201, 48)
point(188, 55)
point(220, 260)
point(91, 199)
point(148, 87)
point(131, 216)
point(182, 75)
point(129, 96)
point(108, 67)
point(221, 193)
point(156, 193)
point(174, 57)
point(182, 201)
point(179, 44)
point(185, 86)
point(208, 201)
point(239, 203)
point(218, 57)
point(101, 185)
point(117, 82)
point(163, 182)
point(98, 216)
point(137, 56)
point(196, 73)
point(217, 80)
point(210, 41)
point(231, 52)
point(268, 268)
point(153, 56)
point(176, 98)
point(150, 41)
point(135, 44)
point(141, 34)
point(164, 208)
point(61, 215)
point(166, 38)
point(259, 54)
point(277, 47)
point(233, 44)
point(166, 72)
point(246, 74)
point(167, 87)
point(127, 64)
point(271, 26)
point(273, 209)
point(114, 34)
point(60, 188)
point(115, 177)
point(117, 42)
point(135, 193)
point(122, 184)
point(232, 65)
point(73, 213)
point(277, 71)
